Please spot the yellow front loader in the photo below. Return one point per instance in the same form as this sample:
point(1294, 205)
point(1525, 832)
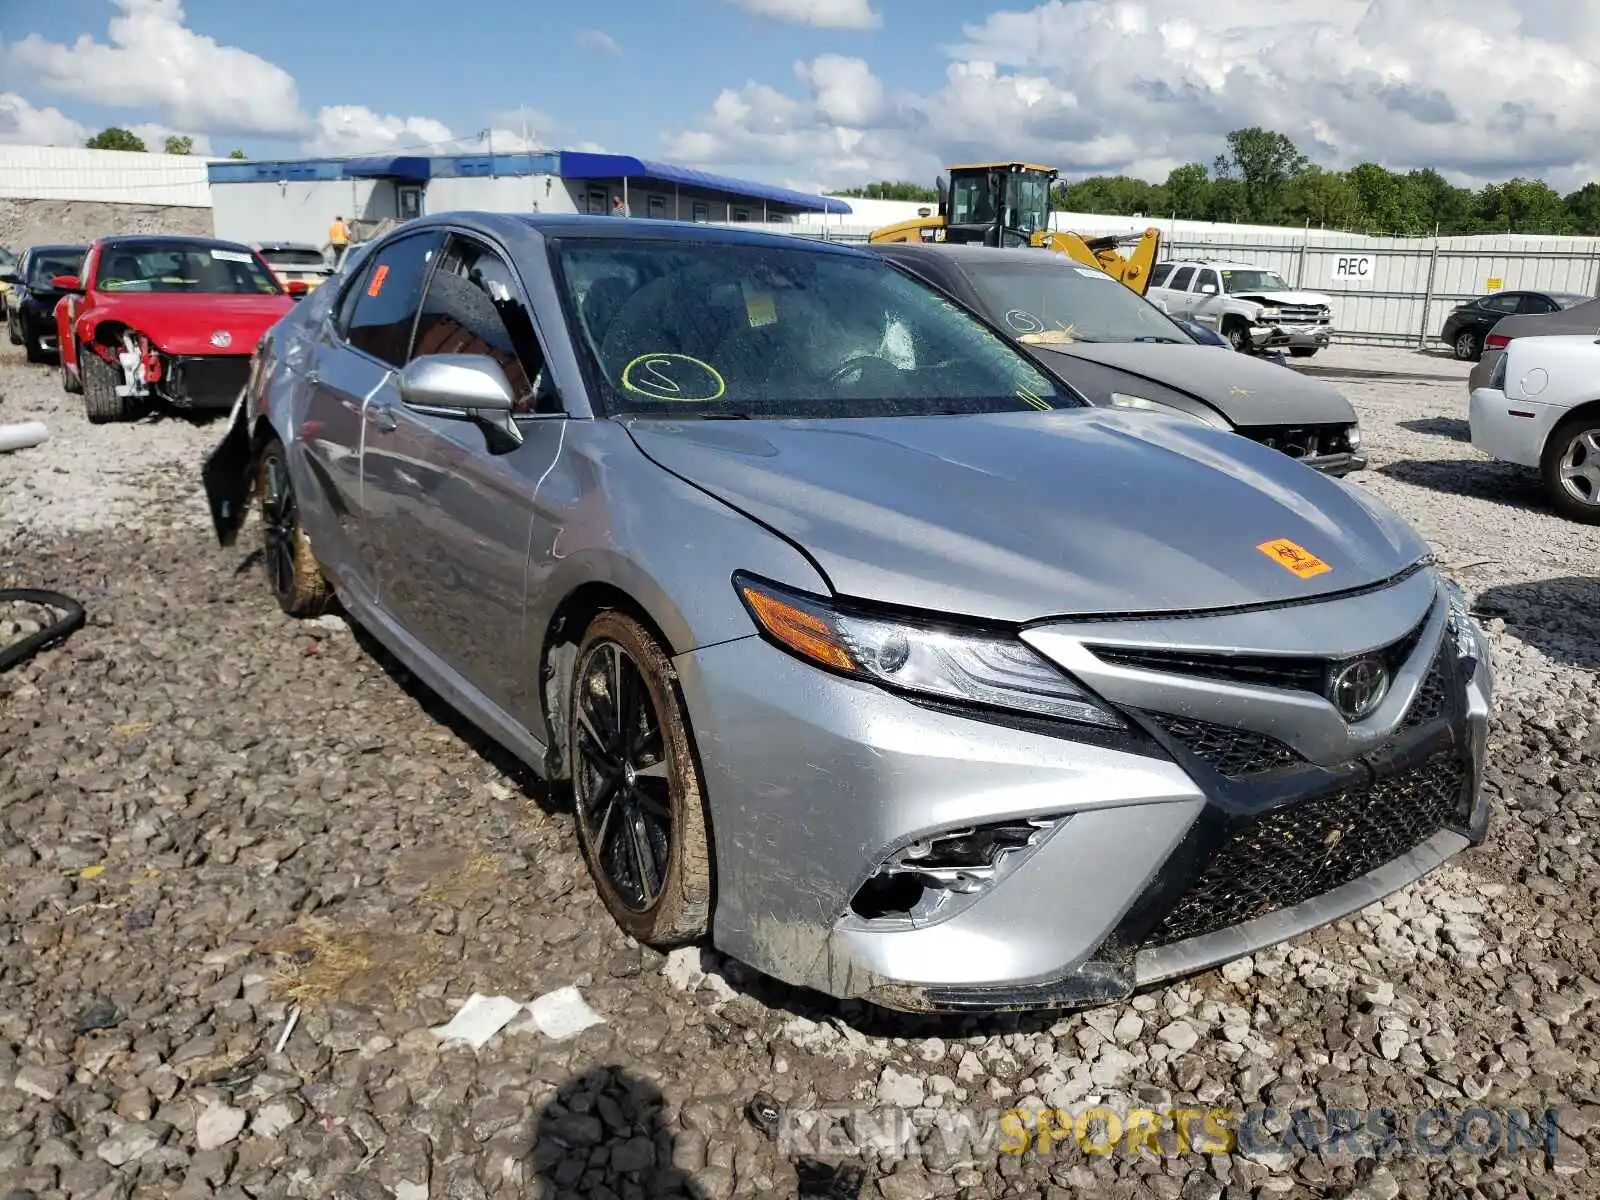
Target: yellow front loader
point(1008, 204)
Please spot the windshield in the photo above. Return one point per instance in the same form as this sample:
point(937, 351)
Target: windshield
point(45, 265)
point(1253, 281)
point(1030, 200)
point(971, 202)
point(713, 328)
point(183, 267)
point(1042, 299)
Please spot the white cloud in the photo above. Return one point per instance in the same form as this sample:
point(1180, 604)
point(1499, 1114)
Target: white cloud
point(599, 42)
point(824, 14)
point(1480, 89)
point(353, 129)
point(151, 60)
point(23, 124)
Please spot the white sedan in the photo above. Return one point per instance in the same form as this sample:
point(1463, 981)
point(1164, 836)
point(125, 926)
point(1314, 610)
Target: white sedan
point(1541, 408)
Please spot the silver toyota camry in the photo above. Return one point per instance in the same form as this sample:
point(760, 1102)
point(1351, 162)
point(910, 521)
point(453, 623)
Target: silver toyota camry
point(867, 650)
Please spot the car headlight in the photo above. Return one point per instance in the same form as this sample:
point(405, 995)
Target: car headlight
point(1463, 627)
point(1269, 314)
point(1354, 437)
point(987, 670)
point(1145, 404)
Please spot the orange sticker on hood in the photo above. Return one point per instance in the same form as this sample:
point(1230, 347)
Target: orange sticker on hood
point(1293, 557)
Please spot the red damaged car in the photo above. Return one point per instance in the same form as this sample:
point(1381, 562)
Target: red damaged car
point(166, 318)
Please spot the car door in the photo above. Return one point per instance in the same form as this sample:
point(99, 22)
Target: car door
point(451, 511)
point(362, 344)
point(1180, 301)
point(1207, 305)
point(70, 307)
point(1535, 305)
point(1492, 308)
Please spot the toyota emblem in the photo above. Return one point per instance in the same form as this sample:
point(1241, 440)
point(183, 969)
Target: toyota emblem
point(221, 338)
point(1356, 688)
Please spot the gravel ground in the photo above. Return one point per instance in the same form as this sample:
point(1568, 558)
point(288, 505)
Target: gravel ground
point(213, 819)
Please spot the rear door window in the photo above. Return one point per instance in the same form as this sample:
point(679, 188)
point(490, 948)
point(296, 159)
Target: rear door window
point(1158, 276)
point(388, 296)
point(1506, 302)
point(1182, 280)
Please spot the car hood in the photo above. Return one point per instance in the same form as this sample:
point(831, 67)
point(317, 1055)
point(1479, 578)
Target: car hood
point(1290, 297)
point(181, 324)
point(1246, 390)
point(1017, 517)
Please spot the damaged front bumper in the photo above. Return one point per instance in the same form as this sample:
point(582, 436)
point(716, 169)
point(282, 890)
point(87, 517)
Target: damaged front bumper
point(227, 473)
point(1055, 869)
point(1277, 335)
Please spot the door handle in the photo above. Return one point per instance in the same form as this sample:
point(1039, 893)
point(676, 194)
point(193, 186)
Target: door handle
point(382, 415)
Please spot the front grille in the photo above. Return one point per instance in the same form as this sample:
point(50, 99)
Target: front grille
point(1301, 441)
point(1300, 314)
point(1231, 753)
point(1302, 850)
point(1429, 704)
point(208, 381)
point(1299, 674)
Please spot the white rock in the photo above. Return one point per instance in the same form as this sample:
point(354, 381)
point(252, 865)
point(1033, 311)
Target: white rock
point(1381, 994)
point(218, 1126)
point(682, 968)
point(271, 1120)
point(1112, 1065)
point(1128, 1029)
point(1392, 1041)
point(900, 1089)
point(1180, 1035)
point(1238, 970)
point(128, 1145)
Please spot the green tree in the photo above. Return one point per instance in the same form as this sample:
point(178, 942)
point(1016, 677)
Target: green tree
point(1263, 162)
point(1113, 195)
point(1522, 206)
point(180, 145)
point(115, 138)
point(1188, 192)
point(1323, 198)
point(1385, 203)
point(1583, 209)
point(883, 190)
point(1225, 201)
point(1439, 204)
point(236, 153)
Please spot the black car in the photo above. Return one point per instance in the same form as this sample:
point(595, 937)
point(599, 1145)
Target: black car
point(1121, 351)
point(1468, 324)
point(31, 315)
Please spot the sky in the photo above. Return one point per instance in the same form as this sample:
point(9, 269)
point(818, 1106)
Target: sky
point(820, 94)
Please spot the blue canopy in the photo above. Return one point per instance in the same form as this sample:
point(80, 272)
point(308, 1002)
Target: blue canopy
point(410, 167)
point(580, 165)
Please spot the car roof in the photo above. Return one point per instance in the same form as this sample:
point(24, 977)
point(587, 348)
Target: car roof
point(135, 240)
point(53, 247)
point(517, 227)
point(1221, 265)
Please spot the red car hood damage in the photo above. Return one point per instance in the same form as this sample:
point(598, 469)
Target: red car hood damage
point(201, 324)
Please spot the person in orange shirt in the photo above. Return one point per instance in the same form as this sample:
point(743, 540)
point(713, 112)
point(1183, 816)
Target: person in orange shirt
point(338, 239)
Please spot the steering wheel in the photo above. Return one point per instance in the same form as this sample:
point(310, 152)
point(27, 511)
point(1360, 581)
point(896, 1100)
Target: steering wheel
point(861, 366)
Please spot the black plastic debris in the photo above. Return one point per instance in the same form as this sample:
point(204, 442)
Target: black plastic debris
point(100, 1014)
point(764, 1113)
point(829, 1181)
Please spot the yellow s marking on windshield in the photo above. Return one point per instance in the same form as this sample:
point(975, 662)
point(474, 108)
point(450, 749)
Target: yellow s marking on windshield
point(1029, 396)
point(673, 377)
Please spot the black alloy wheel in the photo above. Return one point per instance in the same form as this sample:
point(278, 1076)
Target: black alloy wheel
point(292, 571)
point(635, 785)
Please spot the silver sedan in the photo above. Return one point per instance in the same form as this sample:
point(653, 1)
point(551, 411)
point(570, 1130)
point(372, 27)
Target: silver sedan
point(867, 650)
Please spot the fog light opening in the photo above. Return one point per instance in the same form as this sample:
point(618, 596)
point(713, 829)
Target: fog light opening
point(926, 877)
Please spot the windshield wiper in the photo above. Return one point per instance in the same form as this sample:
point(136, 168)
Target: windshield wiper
point(725, 416)
point(1170, 341)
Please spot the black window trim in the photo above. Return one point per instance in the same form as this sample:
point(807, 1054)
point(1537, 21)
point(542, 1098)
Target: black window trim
point(371, 257)
point(507, 260)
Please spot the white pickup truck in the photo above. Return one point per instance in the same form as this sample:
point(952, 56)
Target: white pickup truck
point(1254, 309)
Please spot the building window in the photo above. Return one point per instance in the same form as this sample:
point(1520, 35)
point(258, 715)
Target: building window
point(702, 212)
point(657, 207)
point(741, 214)
point(598, 201)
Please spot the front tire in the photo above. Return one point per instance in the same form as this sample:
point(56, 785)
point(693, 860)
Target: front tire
point(99, 380)
point(296, 580)
point(32, 350)
point(70, 383)
point(1468, 346)
point(1302, 351)
point(1237, 333)
point(636, 787)
point(1571, 469)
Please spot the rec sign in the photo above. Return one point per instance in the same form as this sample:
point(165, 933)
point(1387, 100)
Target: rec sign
point(1355, 266)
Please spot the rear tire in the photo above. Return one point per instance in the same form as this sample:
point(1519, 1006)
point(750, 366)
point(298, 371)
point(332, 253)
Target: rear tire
point(636, 790)
point(99, 381)
point(1302, 351)
point(11, 332)
point(296, 580)
point(1468, 346)
point(33, 351)
point(1571, 468)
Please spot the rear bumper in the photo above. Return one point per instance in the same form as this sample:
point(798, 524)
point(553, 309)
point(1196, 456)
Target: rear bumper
point(1513, 431)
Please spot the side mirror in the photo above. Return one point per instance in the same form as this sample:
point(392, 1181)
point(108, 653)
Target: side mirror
point(8, 277)
point(463, 387)
point(297, 288)
point(942, 189)
point(67, 283)
point(1208, 289)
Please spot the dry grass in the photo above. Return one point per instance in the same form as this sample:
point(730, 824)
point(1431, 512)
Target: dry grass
point(471, 879)
point(323, 965)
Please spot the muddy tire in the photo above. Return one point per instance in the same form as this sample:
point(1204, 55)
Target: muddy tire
point(1237, 333)
point(1571, 468)
point(100, 400)
point(296, 580)
point(70, 383)
point(636, 789)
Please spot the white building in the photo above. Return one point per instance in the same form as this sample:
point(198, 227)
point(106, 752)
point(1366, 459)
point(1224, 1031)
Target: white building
point(73, 173)
point(296, 201)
